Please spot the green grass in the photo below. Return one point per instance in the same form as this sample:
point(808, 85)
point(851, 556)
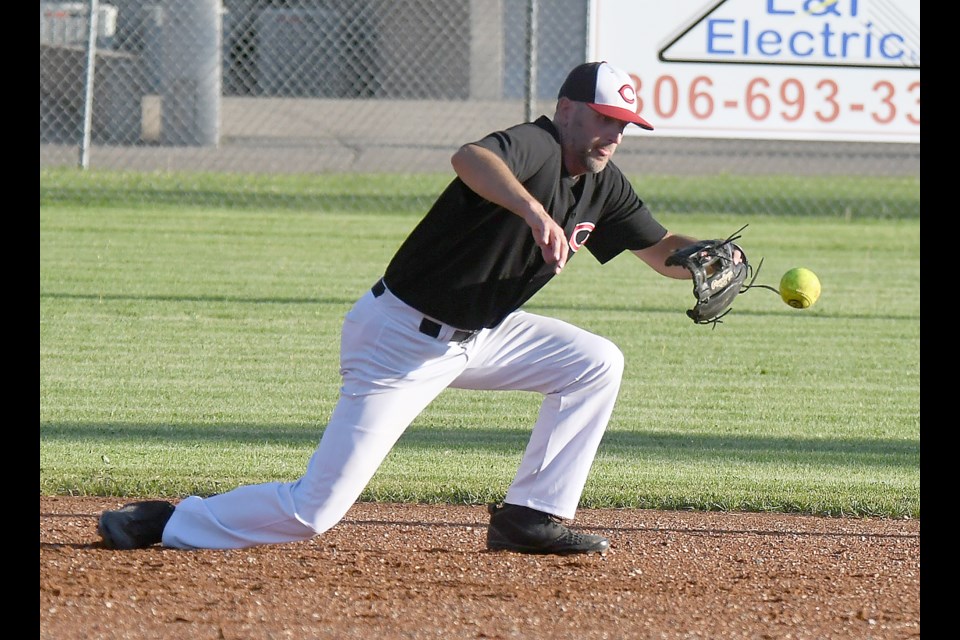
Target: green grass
point(840, 196)
point(190, 348)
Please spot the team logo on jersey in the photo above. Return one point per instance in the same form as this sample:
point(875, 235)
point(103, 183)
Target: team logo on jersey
point(580, 234)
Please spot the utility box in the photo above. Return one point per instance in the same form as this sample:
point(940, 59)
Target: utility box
point(66, 23)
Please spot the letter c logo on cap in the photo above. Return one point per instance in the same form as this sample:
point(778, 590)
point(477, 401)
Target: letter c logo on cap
point(628, 93)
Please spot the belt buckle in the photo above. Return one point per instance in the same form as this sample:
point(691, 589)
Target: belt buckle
point(461, 335)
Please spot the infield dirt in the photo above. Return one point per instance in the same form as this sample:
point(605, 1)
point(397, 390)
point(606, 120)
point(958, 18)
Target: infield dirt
point(422, 571)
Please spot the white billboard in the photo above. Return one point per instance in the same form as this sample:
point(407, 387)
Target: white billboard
point(845, 70)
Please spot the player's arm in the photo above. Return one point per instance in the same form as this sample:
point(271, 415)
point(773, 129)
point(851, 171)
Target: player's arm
point(489, 176)
point(656, 255)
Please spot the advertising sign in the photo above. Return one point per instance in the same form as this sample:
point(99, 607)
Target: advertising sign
point(772, 69)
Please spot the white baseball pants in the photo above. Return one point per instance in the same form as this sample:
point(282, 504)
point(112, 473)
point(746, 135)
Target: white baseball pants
point(391, 372)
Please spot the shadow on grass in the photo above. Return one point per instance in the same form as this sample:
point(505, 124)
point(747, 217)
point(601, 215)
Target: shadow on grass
point(661, 445)
point(532, 307)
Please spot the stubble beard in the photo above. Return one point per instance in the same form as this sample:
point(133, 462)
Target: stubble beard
point(593, 164)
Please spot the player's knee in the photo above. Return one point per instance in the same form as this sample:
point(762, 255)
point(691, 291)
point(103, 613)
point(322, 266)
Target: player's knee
point(608, 360)
point(615, 361)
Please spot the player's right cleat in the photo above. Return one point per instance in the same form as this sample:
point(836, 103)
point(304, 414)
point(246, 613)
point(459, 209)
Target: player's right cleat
point(525, 530)
point(136, 525)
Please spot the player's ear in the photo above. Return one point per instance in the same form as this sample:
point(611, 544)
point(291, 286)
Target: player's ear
point(564, 110)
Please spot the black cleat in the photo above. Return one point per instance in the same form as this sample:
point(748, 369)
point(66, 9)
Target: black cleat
point(525, 530)
point(136, 525)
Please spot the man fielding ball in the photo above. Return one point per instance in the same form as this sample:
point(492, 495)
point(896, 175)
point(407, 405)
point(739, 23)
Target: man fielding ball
point(447, 313)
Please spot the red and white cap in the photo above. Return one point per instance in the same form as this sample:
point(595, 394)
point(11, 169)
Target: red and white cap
point(605, 89)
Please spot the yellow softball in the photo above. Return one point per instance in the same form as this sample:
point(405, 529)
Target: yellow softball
point(800, 288)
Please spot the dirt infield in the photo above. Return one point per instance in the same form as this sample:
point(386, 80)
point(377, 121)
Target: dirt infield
point(421, 571)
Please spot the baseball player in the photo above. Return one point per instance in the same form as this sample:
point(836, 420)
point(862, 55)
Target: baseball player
point(448, 313)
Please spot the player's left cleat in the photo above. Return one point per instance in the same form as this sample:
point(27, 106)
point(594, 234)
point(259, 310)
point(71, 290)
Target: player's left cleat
point(525, 530)
point(136, 525)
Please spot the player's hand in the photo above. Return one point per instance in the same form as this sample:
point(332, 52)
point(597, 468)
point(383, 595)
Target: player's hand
point(552, 241)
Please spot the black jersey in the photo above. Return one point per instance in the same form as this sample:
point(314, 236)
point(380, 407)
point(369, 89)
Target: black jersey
point(469, 262)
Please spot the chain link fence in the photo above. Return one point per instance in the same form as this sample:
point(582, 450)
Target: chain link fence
point(260, 87)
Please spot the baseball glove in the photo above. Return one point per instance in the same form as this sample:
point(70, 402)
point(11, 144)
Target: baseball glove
point(716, 279)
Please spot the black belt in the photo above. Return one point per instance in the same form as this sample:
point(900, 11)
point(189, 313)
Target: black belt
point(427, 326)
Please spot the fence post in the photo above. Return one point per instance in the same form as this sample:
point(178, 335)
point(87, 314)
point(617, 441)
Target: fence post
point(531, 81)
point(88, 84)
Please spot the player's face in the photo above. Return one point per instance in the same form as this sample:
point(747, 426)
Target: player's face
point(589, 139)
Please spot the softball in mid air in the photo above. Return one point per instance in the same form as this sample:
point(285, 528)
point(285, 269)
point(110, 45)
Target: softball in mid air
point(800, 288)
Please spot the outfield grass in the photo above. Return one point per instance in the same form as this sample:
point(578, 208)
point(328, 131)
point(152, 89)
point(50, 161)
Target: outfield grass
point(190, 348)
point(842, 196)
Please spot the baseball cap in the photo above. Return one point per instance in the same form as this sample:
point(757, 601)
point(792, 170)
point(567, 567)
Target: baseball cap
point(605, 89)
